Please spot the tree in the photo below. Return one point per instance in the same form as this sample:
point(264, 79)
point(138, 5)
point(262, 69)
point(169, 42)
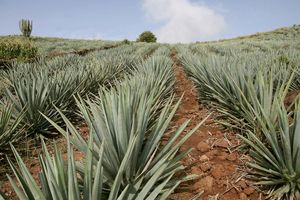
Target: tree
point(146, 36)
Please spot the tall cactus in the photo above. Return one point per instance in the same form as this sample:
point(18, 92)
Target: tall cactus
point(25, 27)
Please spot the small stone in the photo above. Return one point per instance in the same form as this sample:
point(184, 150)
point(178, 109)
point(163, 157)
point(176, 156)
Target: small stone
point(196, 170)
point(205, 167)
point(222, 143)
point(209, 182)
point(203, 147)
point(211, 154)
point(249, 190)
point(205, 183)
point(232, 157)
point(219, 171)
point(243, 196)
point(204, 158)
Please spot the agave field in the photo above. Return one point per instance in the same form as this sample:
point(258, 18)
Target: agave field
point(123, 121)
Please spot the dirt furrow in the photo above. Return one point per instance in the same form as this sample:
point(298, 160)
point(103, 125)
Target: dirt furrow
point(215, 157)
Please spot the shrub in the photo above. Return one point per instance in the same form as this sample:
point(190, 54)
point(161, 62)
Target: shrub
point(125, 41)
point(147, 36)
point(21, 50)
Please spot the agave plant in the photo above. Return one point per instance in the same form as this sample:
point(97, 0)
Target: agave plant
point(32, 93)
point(39, 86)
point(131, 120)
point(277, 162)
point(59, 178)
point(263, 94)
point(156, 72)
point(10, 129)
point(126, 123)
point(237, 89)
point(132, 152)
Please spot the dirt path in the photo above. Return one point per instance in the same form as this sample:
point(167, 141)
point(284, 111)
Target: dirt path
point(214, 157)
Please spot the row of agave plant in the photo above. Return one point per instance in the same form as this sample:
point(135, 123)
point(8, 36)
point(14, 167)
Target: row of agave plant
point(250, 89)
point(37, 88)
point(123, 157)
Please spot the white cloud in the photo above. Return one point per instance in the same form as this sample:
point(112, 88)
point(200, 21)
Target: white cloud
point(183, 20)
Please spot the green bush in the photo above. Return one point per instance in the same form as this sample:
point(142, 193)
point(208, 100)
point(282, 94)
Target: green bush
point(125, 41)
point(147, 36)
point(17, 49)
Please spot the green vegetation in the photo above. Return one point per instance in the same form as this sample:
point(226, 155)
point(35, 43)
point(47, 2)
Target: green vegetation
point(25, 27)
point(56, 181)
point(124, 93)
point(146, 36)
point(10, 129)
point(41, 86)
point(239, 84)
point(17, 49)
point(126, 123)
point(125, 41)
point(49, 47)
point(248, 82)
point(277, 161)
point(284, 34)
point(59, 46)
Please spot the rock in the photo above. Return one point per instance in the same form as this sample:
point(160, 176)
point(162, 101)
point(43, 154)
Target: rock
point(203, 147)
point(243, 196)
point(209, 182)
point(196, 170)
point(204, 158)
point(205, 183)
point(218, 171)
point(232, 157)
point(205, 167)
point(222, 143)
point(249, 190)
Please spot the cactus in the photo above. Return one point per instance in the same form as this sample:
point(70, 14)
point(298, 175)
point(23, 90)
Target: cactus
point(25, 27)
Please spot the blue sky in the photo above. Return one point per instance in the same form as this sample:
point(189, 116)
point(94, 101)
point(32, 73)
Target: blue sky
point(171, 20)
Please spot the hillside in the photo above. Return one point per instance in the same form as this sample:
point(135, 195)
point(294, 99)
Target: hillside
point(280, 34)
